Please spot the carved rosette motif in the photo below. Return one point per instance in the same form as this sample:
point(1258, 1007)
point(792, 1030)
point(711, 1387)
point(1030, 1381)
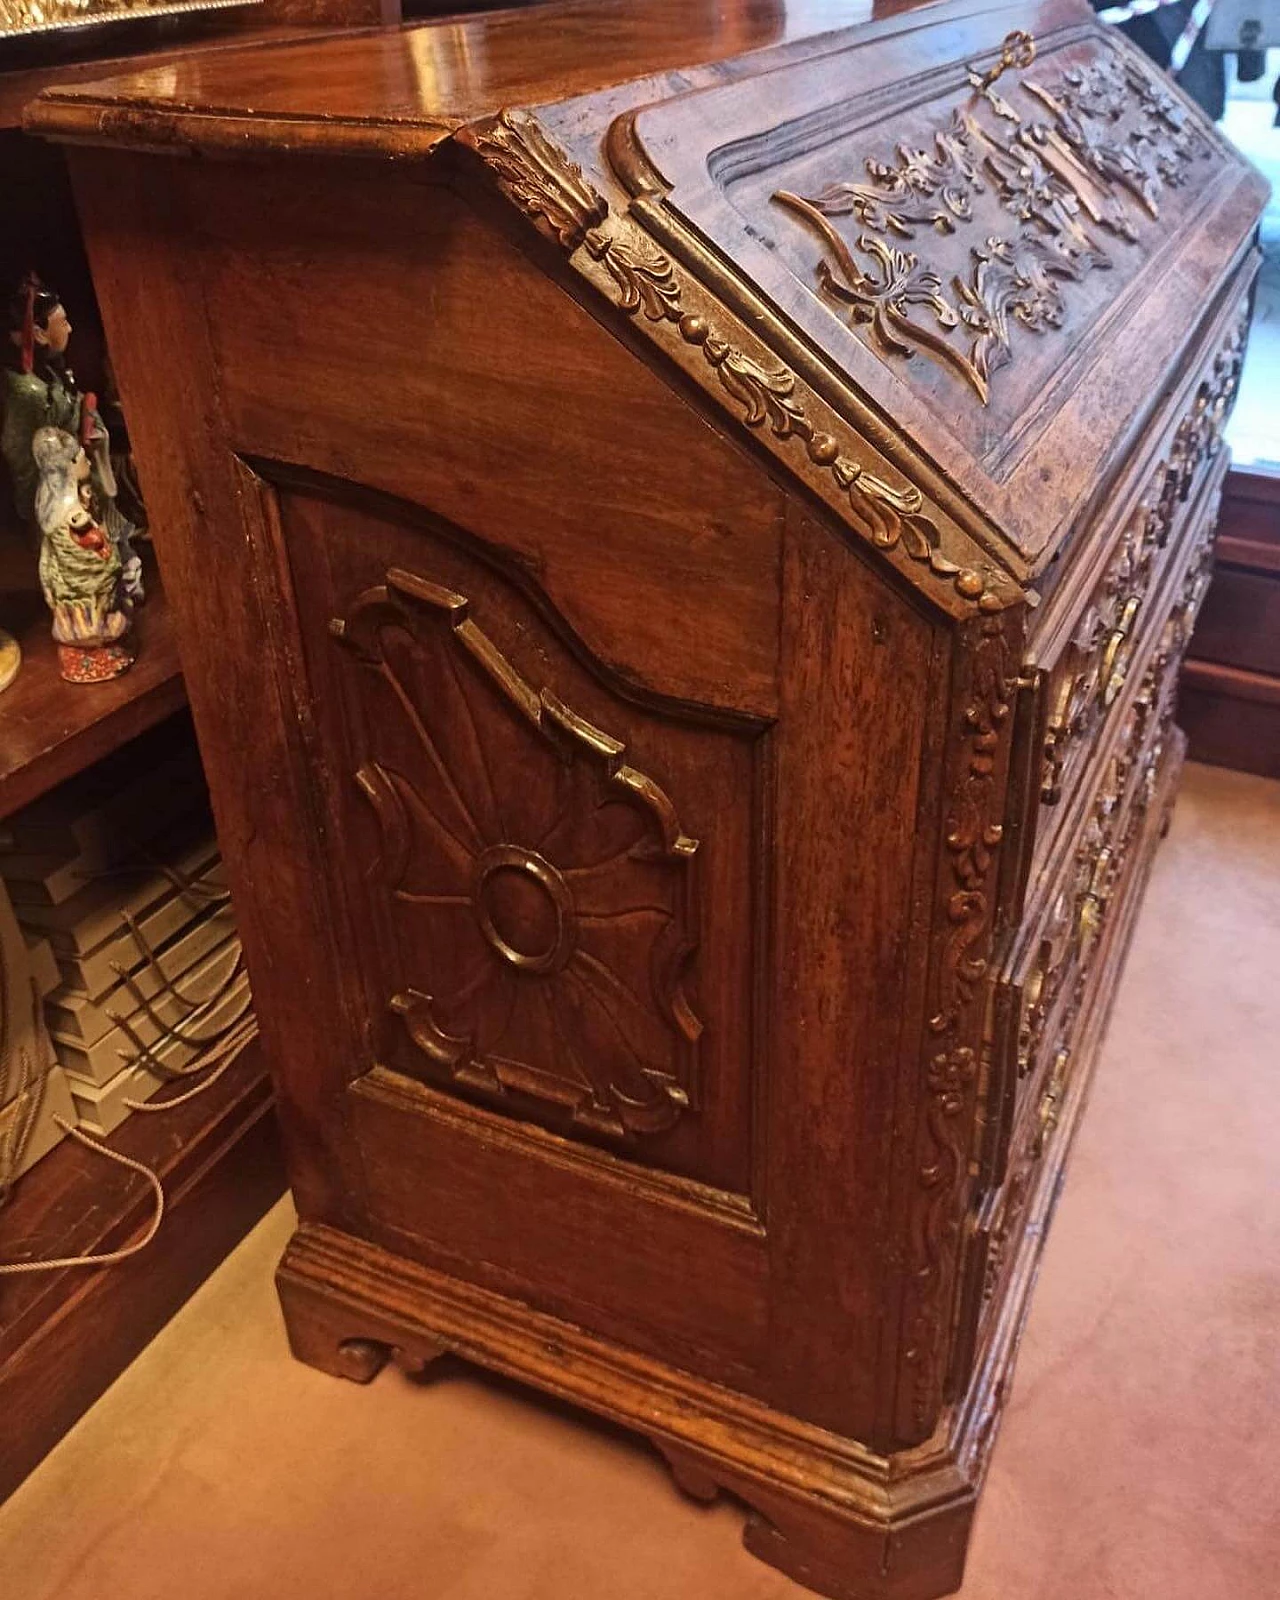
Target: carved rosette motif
point(539, 885)
point(554, 194)
point(973, 834)
point(1092, 150)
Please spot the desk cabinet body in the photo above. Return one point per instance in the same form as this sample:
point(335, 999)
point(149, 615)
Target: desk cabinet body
point(682, 589)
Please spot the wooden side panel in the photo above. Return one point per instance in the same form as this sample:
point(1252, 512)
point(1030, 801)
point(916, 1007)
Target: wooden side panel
point(369, 325)
point(549, 888)
point(451, 559)
point(233, 639)
point(660, 1267)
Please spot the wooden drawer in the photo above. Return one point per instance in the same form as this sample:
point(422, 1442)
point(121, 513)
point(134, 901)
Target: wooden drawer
point(1175, 587)
point(1060, 1042)
point(1088, 650)
point(1039, 994)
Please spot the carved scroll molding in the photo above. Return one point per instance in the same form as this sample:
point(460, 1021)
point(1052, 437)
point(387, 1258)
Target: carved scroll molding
point(540, 887)
point(644, 282)
point(956, 1028)
point(1038, 191)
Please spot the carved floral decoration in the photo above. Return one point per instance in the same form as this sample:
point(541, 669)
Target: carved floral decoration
point(540, 888)
point(974, 833)
point(1091, 151)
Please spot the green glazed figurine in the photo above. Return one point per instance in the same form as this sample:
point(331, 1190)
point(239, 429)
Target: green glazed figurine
point(40, 391)
point(81, 570)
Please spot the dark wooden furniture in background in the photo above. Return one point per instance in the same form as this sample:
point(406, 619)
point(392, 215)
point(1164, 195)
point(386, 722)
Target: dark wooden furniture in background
point(688, 721)
point(1230, 698)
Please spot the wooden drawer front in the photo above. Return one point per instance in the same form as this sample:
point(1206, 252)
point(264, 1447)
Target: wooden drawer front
point(1083, 687)
point(1064, 1037)
point(1036, 1003)
point(1173, 588)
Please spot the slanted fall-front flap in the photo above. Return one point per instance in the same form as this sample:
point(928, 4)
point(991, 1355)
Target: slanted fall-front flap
point(985, 260)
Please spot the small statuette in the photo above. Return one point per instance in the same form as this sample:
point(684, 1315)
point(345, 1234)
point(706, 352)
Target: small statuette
point(82, 573)
point(89, 572)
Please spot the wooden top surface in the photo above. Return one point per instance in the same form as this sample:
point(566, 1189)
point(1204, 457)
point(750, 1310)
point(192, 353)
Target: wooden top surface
point(423, 81)
point(979, 280)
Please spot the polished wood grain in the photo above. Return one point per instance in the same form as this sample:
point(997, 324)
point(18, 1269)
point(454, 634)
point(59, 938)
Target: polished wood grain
point(35, 65)
point(65, 1336)
point(628, 743)
point(406, 90)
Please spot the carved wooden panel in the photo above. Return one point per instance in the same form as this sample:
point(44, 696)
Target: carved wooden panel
point(551, 883)
point(1046, 180)
point(997, 251)
point(548, 880)
point(976, 245)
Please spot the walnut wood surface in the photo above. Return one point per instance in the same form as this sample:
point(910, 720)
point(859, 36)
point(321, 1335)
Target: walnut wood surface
point(632, 771)
point(709, 154)
point(65, 1336)
point(33, 66)
point(416, 84)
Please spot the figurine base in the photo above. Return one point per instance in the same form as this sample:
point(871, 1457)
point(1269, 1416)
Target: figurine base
point(93, 664)
point(10, 659)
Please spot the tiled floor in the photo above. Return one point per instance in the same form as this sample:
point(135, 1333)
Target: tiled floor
point(1140, 1459)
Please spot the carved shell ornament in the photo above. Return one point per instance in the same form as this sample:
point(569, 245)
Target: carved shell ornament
point(540, 888)
point(1090, 153)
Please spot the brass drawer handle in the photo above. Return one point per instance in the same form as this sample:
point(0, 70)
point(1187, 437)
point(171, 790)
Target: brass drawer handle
point(1115, 658)
point(1093, 903)
point(1051, 1102)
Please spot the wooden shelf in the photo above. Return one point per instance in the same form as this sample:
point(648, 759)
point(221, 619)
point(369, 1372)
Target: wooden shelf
point(50, 729)
point(65, 1336)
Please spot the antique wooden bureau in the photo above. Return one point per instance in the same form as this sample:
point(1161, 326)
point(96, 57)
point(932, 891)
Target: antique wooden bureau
point(685, 521)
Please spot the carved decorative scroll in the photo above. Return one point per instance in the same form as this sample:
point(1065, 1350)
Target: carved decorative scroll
point(542, 885)
point(1113, 140)
point(553, 193)
point(973, 835)
point(538, 176)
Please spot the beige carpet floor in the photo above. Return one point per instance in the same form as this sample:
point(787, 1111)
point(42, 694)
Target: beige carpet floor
point(1139, 1457)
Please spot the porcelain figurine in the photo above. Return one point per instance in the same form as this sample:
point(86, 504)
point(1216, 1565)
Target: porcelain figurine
point(81, 570)
point(41, 392)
